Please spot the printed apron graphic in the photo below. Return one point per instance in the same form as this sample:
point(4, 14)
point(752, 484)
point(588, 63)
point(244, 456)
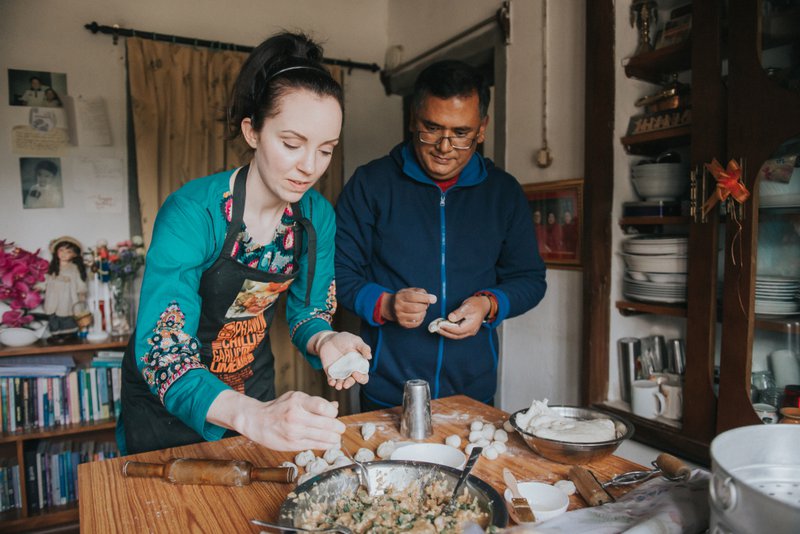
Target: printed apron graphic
point(232, 350)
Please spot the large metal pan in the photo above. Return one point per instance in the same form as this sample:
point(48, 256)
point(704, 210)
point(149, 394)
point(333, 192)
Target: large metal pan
point(331, 485)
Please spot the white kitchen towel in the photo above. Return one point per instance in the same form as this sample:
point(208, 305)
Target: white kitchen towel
point(656, 506)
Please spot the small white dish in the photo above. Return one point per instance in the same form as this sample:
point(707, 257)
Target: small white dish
point(433, 453)
point(546, 501)
point(18, 337)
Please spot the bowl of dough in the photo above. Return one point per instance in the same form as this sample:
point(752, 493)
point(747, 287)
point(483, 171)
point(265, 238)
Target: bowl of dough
point(570, 434)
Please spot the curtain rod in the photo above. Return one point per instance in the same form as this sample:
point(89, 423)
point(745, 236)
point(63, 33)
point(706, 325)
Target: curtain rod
point(116, 32)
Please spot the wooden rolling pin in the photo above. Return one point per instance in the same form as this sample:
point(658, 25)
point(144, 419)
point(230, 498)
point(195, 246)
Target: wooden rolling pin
point(214, 472)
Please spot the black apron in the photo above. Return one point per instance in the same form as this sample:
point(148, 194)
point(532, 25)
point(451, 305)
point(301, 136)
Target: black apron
point(238, 305)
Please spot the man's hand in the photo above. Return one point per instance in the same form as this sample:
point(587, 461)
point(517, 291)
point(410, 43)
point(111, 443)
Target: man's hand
point(407, 307)
point(294, 421)
point(471, 314)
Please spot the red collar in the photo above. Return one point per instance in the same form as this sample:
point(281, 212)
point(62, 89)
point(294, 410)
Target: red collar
point(444, 185)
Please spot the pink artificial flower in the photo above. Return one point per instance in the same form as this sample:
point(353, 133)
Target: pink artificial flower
point(16, 318)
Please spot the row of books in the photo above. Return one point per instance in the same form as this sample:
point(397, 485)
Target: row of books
point(10, 493)
point(51, 469)
point(80, 396)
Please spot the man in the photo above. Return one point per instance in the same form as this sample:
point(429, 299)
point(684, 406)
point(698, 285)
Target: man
point(35, 96)
point(434, 230)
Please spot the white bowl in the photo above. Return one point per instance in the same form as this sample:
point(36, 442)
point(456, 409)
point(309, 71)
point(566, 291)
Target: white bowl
point(432, 453)
point(546, 501)
point(18, 337)
point(660, 188)
point(656, 264)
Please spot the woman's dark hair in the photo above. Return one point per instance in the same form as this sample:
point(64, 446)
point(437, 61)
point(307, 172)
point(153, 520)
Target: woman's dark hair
point(449, 78)
point(55, 264)
point(284, 62)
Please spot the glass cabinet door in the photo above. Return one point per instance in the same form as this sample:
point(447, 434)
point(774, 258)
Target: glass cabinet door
point(760, 345)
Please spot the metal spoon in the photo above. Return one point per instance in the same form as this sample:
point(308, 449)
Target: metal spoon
point(473, 457)
point(334, 529)
point(363, 474)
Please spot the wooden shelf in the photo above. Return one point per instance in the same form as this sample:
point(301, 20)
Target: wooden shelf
point(629, 307)
point(62, 430)
point(786, 324)
point(653, 66)
point(662, 436)
point(657, 141)
point(57, 515)
point(654, 221)
point(43, 347)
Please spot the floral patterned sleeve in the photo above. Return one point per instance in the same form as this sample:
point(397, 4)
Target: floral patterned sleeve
point(182, 248)
point(305, 321)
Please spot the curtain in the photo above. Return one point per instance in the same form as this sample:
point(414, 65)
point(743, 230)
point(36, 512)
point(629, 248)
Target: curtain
point(178, 97)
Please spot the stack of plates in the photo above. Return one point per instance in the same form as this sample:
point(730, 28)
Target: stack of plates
point(656, 268)
point(777, 295)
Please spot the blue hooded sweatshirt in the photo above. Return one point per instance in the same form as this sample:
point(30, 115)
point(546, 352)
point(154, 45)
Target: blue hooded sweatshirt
point(397, 229)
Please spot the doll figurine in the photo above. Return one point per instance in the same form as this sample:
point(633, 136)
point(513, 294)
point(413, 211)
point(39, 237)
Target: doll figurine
point(65, 286)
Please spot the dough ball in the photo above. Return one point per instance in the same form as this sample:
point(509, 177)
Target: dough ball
point(305, 477)
point(453, 441)
point(483, 442)
point(332, 454)
point(500, 435)
point(341, 461)
point(475, 435)
point(488, 431)
point(364, 455)
point(367, 431)
point(316, 466)
point(499, 446)
point(507, 426)
point(386, 449)
point(490, 453)
point(567, 486)
point(476, 425)
point(292, 466)
point(303, 458)
point(468, 448)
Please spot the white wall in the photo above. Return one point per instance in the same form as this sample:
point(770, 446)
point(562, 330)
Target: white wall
point(52, 38)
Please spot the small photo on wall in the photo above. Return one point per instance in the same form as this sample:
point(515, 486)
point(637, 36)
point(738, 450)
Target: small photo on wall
point(41, 183)
point(36, 88)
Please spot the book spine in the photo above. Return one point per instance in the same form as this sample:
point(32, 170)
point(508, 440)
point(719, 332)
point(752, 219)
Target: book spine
point(4, 400)
point(30, 481)
point(116, 387)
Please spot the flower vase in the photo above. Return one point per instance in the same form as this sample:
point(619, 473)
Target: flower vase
point(121, 306)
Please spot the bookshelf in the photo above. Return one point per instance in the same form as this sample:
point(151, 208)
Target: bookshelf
point(21, 445)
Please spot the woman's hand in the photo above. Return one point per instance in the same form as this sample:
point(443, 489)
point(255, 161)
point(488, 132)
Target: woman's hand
point(330, 346)
point(294, 421)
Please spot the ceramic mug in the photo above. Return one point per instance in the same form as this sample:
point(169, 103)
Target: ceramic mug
point(646, 399)
point(673, 393)
point(785, 367)
point(766, 412)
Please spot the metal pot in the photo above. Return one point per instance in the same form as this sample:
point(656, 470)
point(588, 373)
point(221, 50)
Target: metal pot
point(755, 480)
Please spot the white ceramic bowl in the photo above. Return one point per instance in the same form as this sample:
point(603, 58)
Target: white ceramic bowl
point(433, 453)
point(660, 188)
point(17, 337)
point(656, 264)
point(546, 501)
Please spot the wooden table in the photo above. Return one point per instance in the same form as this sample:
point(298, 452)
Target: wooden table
point(111, 503)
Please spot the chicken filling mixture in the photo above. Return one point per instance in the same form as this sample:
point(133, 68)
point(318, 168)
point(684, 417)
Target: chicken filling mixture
point(419, 509)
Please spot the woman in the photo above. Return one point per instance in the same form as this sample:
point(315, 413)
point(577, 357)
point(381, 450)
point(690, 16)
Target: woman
point(224, 248)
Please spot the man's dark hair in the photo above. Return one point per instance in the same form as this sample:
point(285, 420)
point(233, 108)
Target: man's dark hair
point(449, 78)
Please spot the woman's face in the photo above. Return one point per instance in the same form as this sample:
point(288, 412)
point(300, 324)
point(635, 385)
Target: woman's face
point(294, 148)
point(44, 177)
point(551, 218)
point(65, 253)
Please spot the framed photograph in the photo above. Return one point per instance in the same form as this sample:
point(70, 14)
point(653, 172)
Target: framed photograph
point(41, 183)
point(557, 209)
point(35, 88)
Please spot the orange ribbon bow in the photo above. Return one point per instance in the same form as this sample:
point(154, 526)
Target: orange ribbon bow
point(729, 184)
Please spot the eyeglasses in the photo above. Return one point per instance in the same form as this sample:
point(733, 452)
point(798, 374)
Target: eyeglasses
point(459, 142)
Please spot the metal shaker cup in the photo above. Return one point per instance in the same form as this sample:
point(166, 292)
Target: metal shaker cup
point(415, 422)
point(630, 349)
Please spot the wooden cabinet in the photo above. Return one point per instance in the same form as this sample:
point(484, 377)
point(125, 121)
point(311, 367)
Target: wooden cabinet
point(738, 112)
point(13, 445)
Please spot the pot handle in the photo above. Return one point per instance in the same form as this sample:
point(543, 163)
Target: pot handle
point(723, 492)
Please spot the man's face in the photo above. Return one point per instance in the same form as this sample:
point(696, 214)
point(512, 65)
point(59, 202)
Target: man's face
point(458, 116)
point(36, 84)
